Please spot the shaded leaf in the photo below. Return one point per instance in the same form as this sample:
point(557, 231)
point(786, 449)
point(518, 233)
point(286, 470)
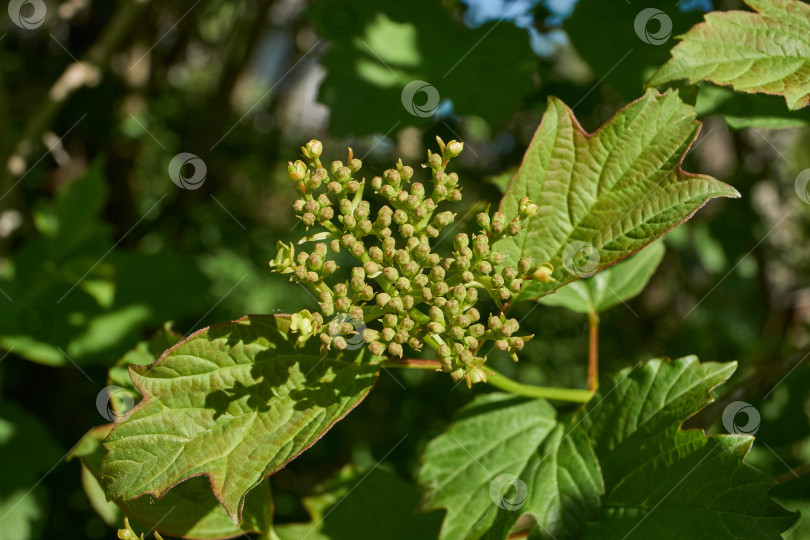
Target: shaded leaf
point(236, 402)
point(657, 474)
point(360, 505)
point(384, 48)
point(623, 42)
point(767, 51)
point(604, 196)
point(27, 451)
point(617, 284)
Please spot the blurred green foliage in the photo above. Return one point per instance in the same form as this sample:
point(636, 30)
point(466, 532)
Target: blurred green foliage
point(99, 248)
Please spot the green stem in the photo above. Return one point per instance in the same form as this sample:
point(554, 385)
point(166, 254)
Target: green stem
point(544, 392)
point(412, 363)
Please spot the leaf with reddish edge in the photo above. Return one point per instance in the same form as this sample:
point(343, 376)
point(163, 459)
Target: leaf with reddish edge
point(235, 402)
point(764, 52)
point(604, 196)
point(189, 510)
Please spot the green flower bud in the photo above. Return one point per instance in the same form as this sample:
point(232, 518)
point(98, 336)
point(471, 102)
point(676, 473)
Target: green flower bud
point(313, 277)
point(513, 229)
point(477, 375)
point(395, 349)
point(383, 299)
point(343, 175)
point(435, 327)
point(329, 267)
point(298, 205)
point(516, 285)
point(341, 289)
point(343, 304)
point(406, 172)
point(370, 335)
point(453, 149)
point(457, 332)
point(326, 214)
point(454, 195)
point(411, 268)
point(376, 183)
point(313, 149)
point(543, 273)
point(516, 343)
point(308, 219)
point(296, 171)
point(390, 320)
point(390, 273)
point(392, 177)
point(403, 284)
point(504, 293)
point(473, 314)
point(355, 165)
point(400, 217)
point(434, 161)
point(497, 281)
point(358, 249)
point(459, 292)
point(527, 209)
point(476, 330)
point(420, 280)
point(406, 230)
point(376, 254)
point(345, 206)
point(367, 293)
point(396, 304)
point(509, 273)
point(334, 245)
point(335, 165)
point(349, 221)
point(388, 192)
point(415, 343)
point(524, 264)
point(365, 226)
point(376, 348)
point(388, 333)
point(371, 269)
point(401, 336)
point(502, 344)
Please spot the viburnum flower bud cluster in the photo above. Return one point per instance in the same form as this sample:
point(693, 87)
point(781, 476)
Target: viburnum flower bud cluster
point(402, 294)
